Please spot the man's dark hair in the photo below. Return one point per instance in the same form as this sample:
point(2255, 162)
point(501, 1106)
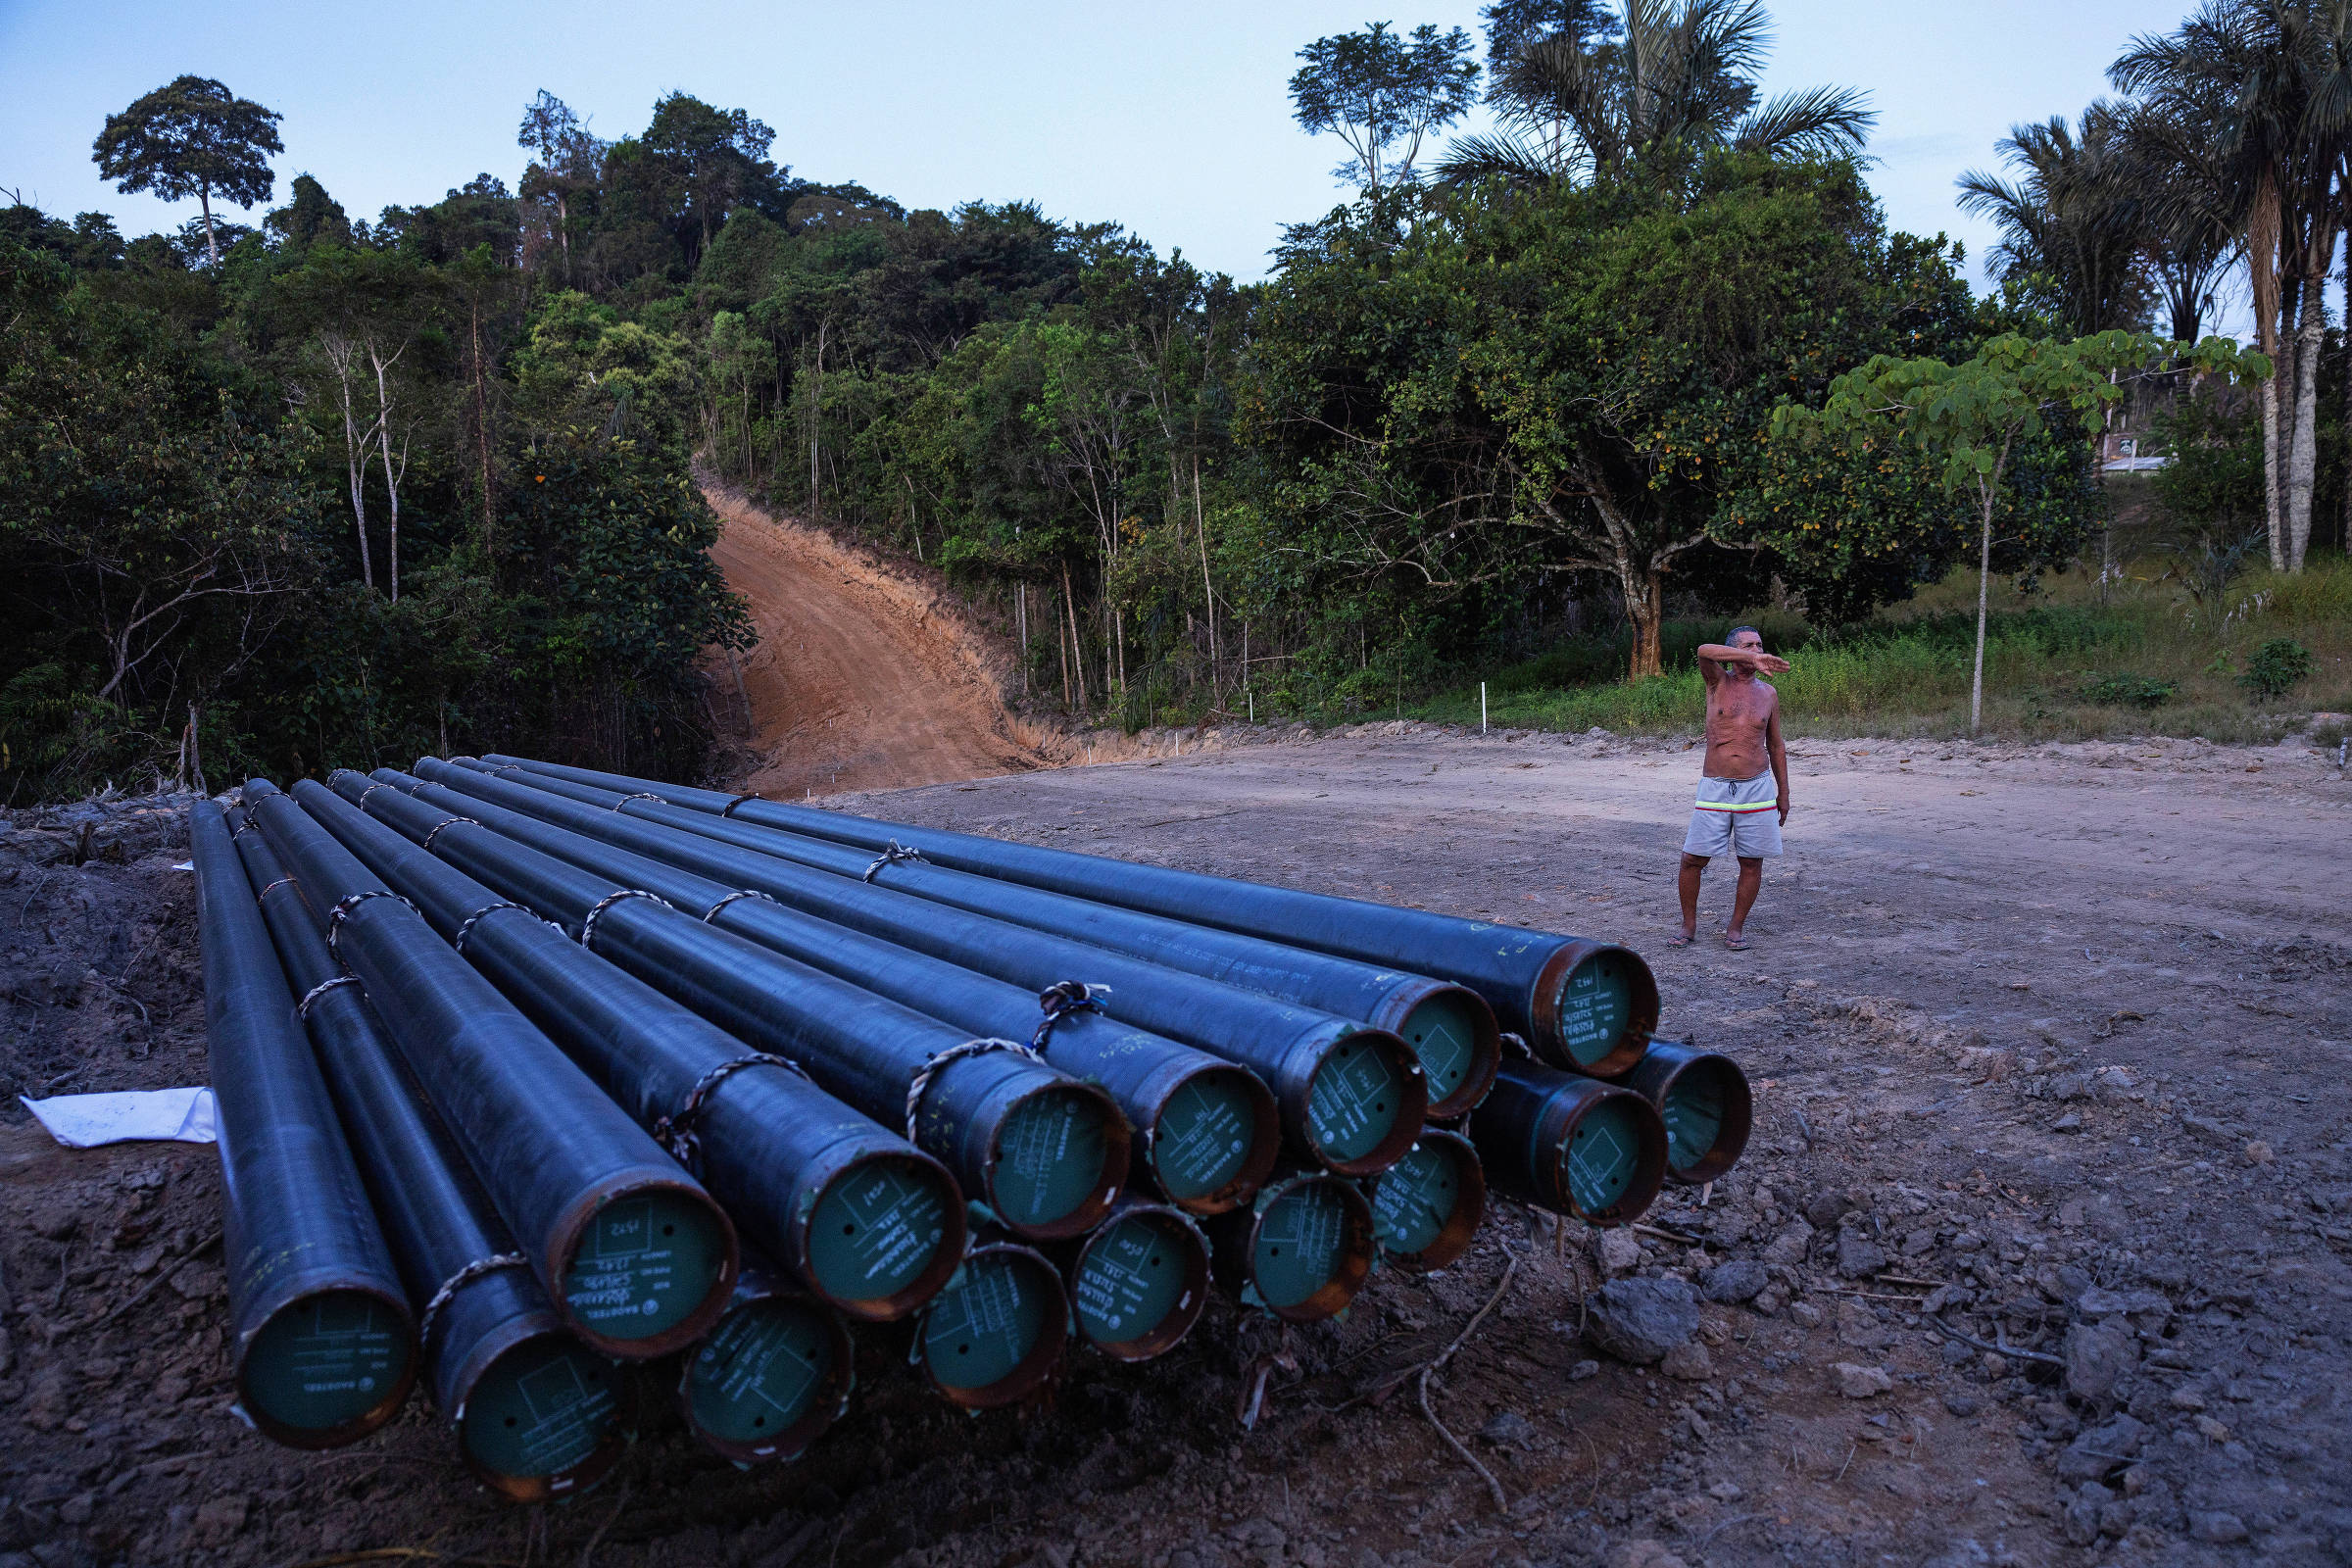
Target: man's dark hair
point(1737, 630)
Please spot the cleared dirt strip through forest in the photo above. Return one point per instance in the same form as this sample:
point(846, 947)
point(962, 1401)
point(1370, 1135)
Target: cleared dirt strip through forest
point(862, 678)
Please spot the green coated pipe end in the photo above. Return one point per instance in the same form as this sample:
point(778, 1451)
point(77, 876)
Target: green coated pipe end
point(1215, 1140)
point(648, 1272)
point(1454, 1034)
point(1365, 1102)
point(1613, 1159)
point(1140, 1283)
point(1310, 1250)
point(544, 1419)
point(327, 1368)
point(884, 1236)
point(770, 1380)
point(1058, 1160)
point(996, 1331)
point(1602, 1008)
point(1426, 1208)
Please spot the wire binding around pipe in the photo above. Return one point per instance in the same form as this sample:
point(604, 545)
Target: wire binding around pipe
point(463, 1277)
point(282, 881)
point(921, 1081)
point(467, 925)
point(740, 892)
point(447, 822)
point(741, 799)
point(676, 1132)
point(1058, 1001)
point(302, 1008)
point(892, 856)
point(641, 795)
point(342, 912)
point(596, 912)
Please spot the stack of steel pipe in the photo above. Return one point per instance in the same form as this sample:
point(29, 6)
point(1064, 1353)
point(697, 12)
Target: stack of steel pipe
point(568, 1034)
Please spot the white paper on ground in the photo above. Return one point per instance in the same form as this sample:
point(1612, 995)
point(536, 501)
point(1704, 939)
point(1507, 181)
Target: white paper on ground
point(166, 1115)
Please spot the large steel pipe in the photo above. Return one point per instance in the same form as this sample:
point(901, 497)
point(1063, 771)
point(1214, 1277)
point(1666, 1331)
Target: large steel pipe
point(1579, 1002)
point(1140, 1283)
point(867, 1222)
point(1000, 1328)
point(635, 1255)
point(772, 1376)
point(1427, 1207)
point(535, 1413)
point(1302, 1250)
point(1049, 1152)
point(321, 1343)
point(1707, 1105)
point(1450, 1026)
point(1210, 1130)
point(1352, 1096)
point(1571, 1143)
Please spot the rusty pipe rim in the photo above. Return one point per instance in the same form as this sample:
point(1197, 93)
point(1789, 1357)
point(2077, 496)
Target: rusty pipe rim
point(1551, 984)
point(571, 1234)
point(1461, 1226)
point(1118, 1154)
point(1265, 1138)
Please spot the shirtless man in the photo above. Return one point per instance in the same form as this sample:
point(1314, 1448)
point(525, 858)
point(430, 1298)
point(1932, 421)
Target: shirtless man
point(1745, 782)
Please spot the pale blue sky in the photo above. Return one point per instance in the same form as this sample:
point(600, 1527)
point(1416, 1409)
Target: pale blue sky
point(1171, 119)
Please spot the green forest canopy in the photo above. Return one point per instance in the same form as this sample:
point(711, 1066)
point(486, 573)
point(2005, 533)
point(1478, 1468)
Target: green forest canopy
point(362, 489)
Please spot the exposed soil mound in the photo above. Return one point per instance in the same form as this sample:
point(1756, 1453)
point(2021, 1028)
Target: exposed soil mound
point(862, 679)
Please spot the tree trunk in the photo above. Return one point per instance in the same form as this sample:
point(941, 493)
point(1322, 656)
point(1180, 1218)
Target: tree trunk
point(211, 241)
point(1645, 608)
point(481, 435)
point(1069, 602)
point(2261, 268)
point(1207, 590)
point(2302, 462)
point(1976, 679)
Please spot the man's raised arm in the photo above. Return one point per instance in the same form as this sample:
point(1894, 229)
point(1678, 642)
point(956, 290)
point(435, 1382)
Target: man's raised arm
point(1712, 657)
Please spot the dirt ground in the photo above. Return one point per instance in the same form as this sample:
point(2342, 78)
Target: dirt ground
point(2050, 1044)
point(863, 676)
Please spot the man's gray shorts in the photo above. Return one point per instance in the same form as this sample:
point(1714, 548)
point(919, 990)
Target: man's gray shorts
point(1736, 817)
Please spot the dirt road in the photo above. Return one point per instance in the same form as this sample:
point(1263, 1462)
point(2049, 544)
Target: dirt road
point(2051, 1048)
point(862, 678)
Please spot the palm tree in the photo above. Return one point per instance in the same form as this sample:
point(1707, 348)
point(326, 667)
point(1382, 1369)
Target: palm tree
point(1586, 100)
point(2075, 223)
point(2191, 236)
point(2265, 84)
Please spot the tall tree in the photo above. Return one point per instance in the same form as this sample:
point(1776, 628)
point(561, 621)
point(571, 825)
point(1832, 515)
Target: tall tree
point(713, 159)
point(1971, 418)
point(1583, 99)
point(567, 161)
point(2263, 79)
point(1375, 89)
point(191, 137)
point(2074, 226)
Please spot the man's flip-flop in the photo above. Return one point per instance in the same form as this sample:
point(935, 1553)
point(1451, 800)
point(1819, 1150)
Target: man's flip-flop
point(1680, 942)
point(1736, 943)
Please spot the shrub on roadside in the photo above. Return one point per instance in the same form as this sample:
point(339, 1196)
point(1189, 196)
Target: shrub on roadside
point(2275, 667)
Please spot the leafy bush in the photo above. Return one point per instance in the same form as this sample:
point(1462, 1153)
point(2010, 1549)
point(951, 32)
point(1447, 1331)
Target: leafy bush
point(2129, 691)
point(2275, 667)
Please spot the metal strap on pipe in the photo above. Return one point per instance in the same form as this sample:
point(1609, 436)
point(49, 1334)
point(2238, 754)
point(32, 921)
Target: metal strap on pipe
point(641, 795)
point(463, 1277)
point(1059, 1002)
point(350, 901)
point(466, 927)
point(740, 892)
point(930, 1069)
point(588, 924)
point(302, 1008)
point(892, 856)
point(675, 1131)
point(438, 827)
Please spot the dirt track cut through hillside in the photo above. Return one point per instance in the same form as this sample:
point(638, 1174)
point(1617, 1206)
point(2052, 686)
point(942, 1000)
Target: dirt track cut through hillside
point(862, 679)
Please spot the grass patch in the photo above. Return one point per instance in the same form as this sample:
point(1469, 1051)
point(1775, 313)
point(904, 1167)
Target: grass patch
point(2058, 664)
